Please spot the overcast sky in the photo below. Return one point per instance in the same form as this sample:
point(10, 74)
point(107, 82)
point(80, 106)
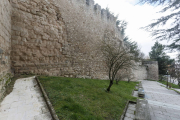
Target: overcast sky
point(137, 16)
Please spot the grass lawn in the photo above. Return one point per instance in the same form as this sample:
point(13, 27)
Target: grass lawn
point(87, 99)
point(172, 85)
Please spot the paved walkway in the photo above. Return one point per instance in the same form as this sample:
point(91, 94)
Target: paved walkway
point(25, 102)
point(130, 112)
point(164, 104)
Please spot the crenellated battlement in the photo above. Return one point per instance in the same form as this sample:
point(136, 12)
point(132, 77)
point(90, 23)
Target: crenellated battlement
point(97, 9)
point(104, 14)
point(90, 3)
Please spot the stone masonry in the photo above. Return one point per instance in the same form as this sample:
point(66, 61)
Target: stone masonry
point(146, 70)
point(5, 45)
point(39, 38)
point(25, 102)
point(60, 37)
point(152, 69)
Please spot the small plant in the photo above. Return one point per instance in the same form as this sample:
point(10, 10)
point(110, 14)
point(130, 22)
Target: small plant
point(171, 85)
point(151, 80)
point(135, 89)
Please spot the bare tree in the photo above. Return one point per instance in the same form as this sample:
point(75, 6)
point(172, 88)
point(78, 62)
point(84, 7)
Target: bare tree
point(119, 57)
point(130, 76)
point(125, 74)
point(174, 71)
point(121, 75)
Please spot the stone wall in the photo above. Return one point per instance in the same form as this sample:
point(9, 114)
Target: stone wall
point(145, 70)
point(39, 38)
point(140, 72)
point(5, 44)
point(152, 69)
point(60, 37)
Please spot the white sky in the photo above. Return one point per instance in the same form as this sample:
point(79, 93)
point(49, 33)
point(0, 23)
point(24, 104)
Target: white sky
point(137, 16)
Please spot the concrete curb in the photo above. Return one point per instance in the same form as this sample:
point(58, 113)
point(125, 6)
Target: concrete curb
point(50, 107)
point(132, 92)
point(125, 109)
point(175, 90)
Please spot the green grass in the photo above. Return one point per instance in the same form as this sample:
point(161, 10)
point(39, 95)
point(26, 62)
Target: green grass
point(172, 85)
point(176, 91)
point(87, 99)
point(151, 80)
point(135, 89)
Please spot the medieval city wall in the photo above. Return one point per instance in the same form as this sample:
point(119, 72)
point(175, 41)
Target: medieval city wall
point(5, 45)
point(140, 72)
point(152, 69)
point(146, 70)
point(60, 37)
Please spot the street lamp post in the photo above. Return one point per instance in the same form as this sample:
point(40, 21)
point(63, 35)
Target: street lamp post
point(167, 79)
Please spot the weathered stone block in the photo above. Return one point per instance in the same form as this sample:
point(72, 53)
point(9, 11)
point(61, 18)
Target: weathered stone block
point(142, 110)
point(1, 51)
point(5, 44)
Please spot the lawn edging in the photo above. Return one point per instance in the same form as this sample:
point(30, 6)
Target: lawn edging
point(50, 107)
point(174, 90)
point(125, 109)
point(132, 92)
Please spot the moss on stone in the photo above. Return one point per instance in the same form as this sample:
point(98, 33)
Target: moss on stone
point(1, 79)
point(7, 78)
point(8, 81)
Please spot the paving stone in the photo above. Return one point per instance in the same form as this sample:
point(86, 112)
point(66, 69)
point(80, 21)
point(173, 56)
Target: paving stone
point(153, 118)
point(3, 117)
point(127, 118)
point(132, 105)
point(25, 102)
point(130, 111)
point(173, 118)
point(46, 116)
point(44, 109)
point(131, 108)
point(163, 103)
point(130, 115)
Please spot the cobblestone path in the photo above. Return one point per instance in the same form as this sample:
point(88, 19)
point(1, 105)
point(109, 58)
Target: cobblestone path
point(25, 102)
point(164, 104)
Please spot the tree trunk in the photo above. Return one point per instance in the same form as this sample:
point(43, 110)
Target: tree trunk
point(167, 83)
point(117, 81)
point(178, 82)
point(110, 84)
